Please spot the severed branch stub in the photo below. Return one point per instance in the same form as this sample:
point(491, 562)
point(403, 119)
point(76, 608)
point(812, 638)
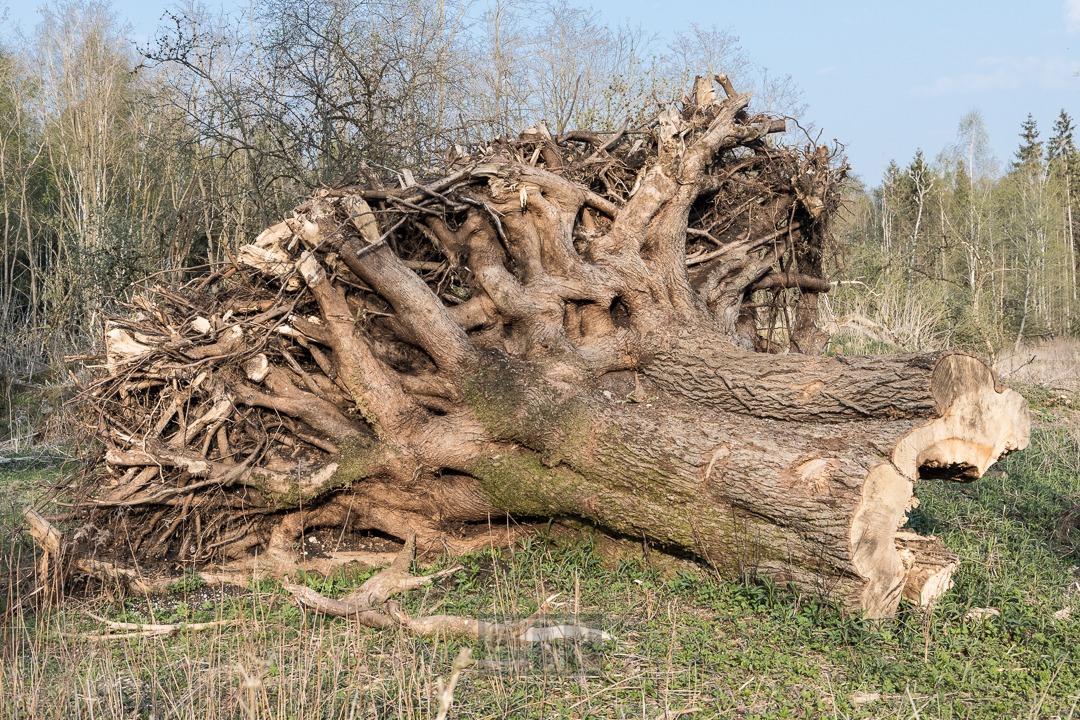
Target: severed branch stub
point(50, 540)
point(615, 328)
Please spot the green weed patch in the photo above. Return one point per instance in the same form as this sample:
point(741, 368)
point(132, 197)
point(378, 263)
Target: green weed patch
point(684, 640)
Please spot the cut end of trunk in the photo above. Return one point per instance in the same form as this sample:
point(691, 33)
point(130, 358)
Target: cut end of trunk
point(980, 421)
point(896, 563)
point(886, 494)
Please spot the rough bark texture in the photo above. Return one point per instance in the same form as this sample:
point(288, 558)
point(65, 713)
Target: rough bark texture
point(799, 387)
point(585, 326)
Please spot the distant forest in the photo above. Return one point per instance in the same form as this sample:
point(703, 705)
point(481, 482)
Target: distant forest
point(120, 162)
point(963, 252)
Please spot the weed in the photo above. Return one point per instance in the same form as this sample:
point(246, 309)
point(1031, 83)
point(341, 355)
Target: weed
point(689, 640)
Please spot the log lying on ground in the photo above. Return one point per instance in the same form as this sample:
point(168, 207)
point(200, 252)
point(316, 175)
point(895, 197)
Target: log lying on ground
point(580, 326)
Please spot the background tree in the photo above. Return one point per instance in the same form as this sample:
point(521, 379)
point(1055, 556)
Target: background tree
point(994, 254)
point(1029, 154)
point(1063, 163)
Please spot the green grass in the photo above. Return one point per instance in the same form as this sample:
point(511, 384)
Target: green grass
point(19, 489)
point(684, 638)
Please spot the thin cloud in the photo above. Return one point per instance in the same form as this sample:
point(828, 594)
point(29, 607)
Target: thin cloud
point(1072, 15)
point(1008, 73)
point(827, 70)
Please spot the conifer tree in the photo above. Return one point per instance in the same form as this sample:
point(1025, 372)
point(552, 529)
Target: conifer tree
point(1029, 155)
point(1063, 162)
point(1062, 158)
point(1061, 143)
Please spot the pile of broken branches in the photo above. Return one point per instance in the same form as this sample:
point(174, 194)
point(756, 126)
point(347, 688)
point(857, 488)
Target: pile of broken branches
point(217, 395)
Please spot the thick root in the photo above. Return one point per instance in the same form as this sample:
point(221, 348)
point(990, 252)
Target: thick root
point(361, 605)
point(371, 604)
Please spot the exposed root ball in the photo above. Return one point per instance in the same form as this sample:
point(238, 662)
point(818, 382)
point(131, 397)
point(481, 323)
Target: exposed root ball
point(585, 325)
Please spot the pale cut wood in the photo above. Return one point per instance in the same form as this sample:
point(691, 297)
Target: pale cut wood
point(306, 230)
point(929, 567)
point(46, 535)
point(195, 465)
point(51, 542)
point(704, 92)
point(121, 347)
point(124, 491)
point(274, 235)
point(885, 496)
point(220, 411)
point(269, 255)
point(257, 368)
point(361, 218)
point(979, 423)
point(230, 341)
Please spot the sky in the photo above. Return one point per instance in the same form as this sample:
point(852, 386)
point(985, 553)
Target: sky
point(884, 79)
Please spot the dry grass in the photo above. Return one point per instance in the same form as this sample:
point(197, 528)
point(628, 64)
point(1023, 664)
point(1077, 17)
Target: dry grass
point(1054, 364)
point(278, 662)
point(883, 318)
point(261, 667)
point(685, 641)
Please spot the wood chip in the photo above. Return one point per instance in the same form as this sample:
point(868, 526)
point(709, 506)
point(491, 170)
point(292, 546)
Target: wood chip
point(862, 698)
point(980, 614)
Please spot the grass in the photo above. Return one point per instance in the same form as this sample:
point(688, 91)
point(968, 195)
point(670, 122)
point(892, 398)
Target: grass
point(1052, 364)
point(685, 639)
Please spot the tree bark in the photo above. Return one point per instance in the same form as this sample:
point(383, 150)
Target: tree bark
point(548, 340)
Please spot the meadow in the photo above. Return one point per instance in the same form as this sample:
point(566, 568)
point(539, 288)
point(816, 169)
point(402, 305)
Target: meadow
point(1001, 643)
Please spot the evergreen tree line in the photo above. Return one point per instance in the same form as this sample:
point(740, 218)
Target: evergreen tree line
point(120, 162)
point(961, 253)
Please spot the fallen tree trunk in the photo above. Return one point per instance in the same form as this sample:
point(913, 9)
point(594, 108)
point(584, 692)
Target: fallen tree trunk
point(556, 327)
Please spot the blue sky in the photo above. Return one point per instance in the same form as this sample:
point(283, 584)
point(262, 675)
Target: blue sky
point(883, 78)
